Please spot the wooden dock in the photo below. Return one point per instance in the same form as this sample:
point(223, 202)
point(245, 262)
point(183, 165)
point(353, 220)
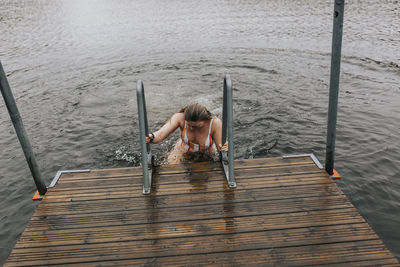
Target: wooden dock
point(283, 212)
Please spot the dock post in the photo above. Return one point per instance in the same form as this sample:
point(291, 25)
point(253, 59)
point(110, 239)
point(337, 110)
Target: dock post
point(20, 130)
point(227, 129)
point(143, 132)
point(334, 84)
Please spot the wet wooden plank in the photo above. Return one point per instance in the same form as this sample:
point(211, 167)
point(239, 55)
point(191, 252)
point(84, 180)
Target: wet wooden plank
point(385, 261)
point(372, 262)
point(284, 212)
point(265, 171)
point(196, 186)
point(202, 244)
point(156, 205)
point(155, 200)
point(165, 170)
point(239, 164)
point(192, 185)
point(289, 220)
point(31, 239)
point(344, 252)
point(126, 202)
point(226, 225)
point(178, 213)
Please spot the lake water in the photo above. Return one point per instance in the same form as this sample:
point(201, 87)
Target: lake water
point(73, 67)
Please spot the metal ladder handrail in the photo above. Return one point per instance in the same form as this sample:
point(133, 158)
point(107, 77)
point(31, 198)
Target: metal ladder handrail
point(227, 132)
point(21, 133)
point(146, 157)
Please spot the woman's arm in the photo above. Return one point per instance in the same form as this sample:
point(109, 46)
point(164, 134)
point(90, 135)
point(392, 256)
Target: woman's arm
point(169, 127)
point(217, 135)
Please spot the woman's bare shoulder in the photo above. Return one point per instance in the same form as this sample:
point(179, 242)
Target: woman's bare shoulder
point(217, 123)
point(178, 118)
point(216, 119)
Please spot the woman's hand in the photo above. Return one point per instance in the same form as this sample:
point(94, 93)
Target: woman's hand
point(223, 147)
point(150, 138)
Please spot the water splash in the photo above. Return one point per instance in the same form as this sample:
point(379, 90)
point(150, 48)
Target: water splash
point(123, 154)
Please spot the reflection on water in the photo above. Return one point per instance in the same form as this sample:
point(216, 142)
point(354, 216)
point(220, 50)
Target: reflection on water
point(73, 67)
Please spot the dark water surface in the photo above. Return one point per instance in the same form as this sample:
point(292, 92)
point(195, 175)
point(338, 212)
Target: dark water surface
point(73, 67)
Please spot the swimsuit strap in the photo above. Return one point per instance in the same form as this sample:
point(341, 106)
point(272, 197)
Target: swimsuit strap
point(185, 138)
point(208, 140)
point(209, 130)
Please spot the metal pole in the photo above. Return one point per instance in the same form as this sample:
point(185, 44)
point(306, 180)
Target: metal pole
point(224, 114)
point(20, 130)
point(229, 107)
point(334, 84)
point(227, 133)
point(146, 126)
point(142, 134)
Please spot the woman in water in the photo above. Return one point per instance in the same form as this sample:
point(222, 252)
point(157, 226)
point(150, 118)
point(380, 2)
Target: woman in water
point(201, 133)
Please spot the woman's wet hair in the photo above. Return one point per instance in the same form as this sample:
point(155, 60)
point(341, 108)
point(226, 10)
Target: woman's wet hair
point(196, 112)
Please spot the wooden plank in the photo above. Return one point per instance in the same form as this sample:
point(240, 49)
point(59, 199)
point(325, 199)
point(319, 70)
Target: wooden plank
point(201, 227)
point(176, 213)
point(192, 167)
point(205, 198)
point(78, 181)
point(197, 186)
point(229, 262)
point(133, 194)
point(298, 255)
point(379, 262)
point(204, 178)
point(239, 164)
point(325, 234)
point(289, 220)
point(241, 173)
point(273, 161)
point(209, 243)
point(184, 168)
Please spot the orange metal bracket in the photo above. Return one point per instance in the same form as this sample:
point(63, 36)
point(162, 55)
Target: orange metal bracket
point(37, 196)
point(335, 175)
